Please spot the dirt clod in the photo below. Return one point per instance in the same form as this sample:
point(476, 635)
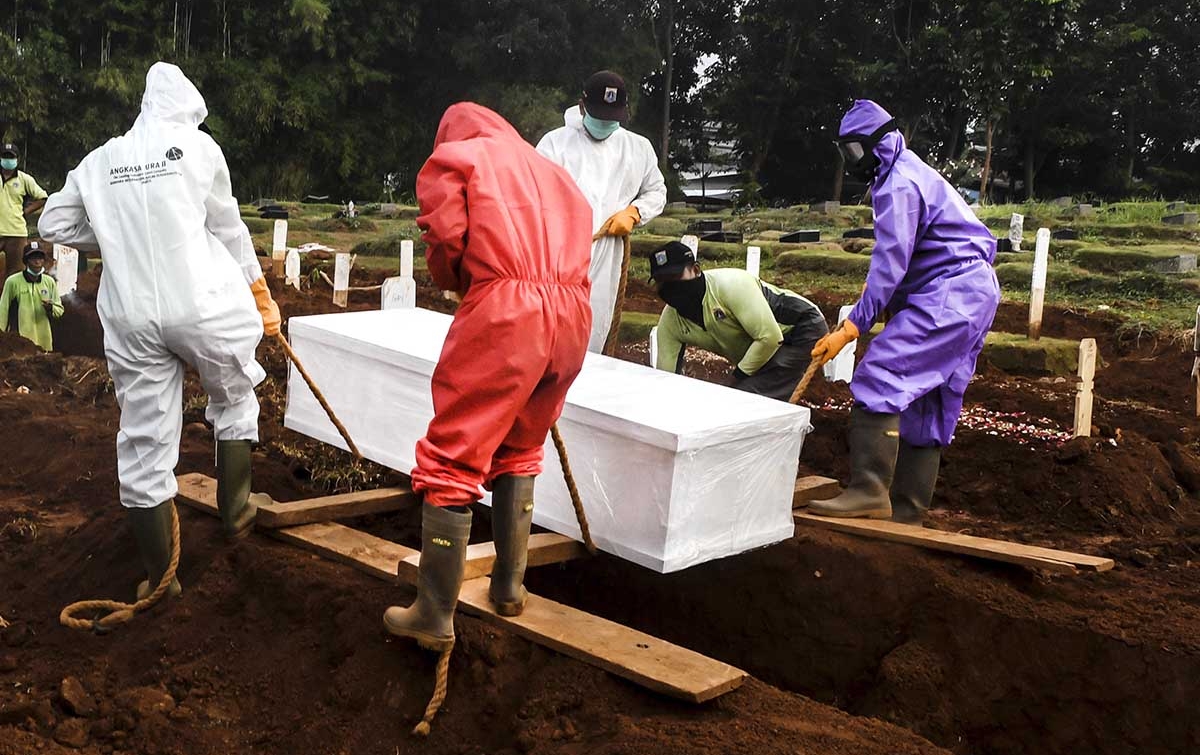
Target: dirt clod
point(75, 698)
point(72, 733)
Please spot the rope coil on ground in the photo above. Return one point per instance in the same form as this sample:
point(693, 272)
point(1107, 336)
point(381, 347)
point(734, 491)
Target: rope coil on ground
point(118, 612)
point(802, 386)
point(423, 728)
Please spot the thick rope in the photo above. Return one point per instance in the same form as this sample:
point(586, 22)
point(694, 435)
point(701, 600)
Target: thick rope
point(120, 613)
point(802, 386)
point(576, 500)
point(614, 329)
point(439, 692)
point(287, 348)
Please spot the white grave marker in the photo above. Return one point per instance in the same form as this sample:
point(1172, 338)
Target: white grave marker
point(693, 243)
point(1083, 399)
point(1037, 291)
point(753, 258)
point(341, 279)
point(1016, 231)
point(654, 346)
point(291, 268)
point(401, 292)
point(279, 248)
point(66, 269)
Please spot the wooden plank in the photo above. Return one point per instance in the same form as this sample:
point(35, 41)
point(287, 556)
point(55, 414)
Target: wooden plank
point(1031, 556)
point(332, 507)
point(367, 553)
point(650, 662)
point(647, 661)
point(815, 488)
point(201, 493)
point(544, 548)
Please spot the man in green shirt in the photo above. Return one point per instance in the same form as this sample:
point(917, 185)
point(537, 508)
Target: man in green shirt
point(30, 299)
point(766, 331)
point(20, 198)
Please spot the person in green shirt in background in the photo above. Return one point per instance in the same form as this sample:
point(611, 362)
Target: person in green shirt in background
point(30, 299)
point(18, 187)
point(766, 331)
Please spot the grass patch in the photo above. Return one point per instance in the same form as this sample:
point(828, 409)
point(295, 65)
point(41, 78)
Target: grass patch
point(824, 260)
point(1015, 353)
point(664, 226)
point(636, 326)
point(1123, 259)
point(389, 245)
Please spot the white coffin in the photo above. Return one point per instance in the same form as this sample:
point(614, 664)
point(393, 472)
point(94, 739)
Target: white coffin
point(672, 471)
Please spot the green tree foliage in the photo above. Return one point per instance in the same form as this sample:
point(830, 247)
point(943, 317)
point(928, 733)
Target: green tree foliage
point(329, 96)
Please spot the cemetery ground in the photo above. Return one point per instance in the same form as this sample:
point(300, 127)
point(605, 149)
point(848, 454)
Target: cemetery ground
point(854, 646)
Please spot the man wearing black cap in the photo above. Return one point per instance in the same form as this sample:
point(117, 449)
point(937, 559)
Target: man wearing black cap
point(617, 171)
point(30, 299)
point(21, 197)
point(766, 331)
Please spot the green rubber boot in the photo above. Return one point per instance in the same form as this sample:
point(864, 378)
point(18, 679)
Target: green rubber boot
point(430, 619)
point(152, 531)
point(512, 515)
point(237, 505)
point(874, 444)
point(912, 487)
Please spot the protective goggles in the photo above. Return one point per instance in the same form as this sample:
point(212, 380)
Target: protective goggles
point(855, 147)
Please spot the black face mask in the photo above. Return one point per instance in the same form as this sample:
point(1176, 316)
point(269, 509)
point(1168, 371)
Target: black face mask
point(687, 297)
point(858, 152)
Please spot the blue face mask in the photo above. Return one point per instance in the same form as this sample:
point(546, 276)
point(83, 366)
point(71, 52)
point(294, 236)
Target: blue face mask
point(598, 129)
point(8, 163)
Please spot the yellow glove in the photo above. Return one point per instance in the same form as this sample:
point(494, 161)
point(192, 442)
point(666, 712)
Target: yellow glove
point(267, 308)
point(831, 345)
point(621, 223)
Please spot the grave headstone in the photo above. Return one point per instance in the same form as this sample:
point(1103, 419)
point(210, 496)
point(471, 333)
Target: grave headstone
point(753, 260)
point(401, 292)
point(291, 269)
point(1064, 234)
point(1062, 201)
point(800, 237)
point(1003, 245)
point(707, 226)
point(66, 269)
point(1082, 211)
point(1176, 206)
point(341, 279)
point(722, 237)
point(1183, 263)
point(859, 233)
point(1037, 291)
point(1016, 230)
point(826, 208)
point(389, 209)
point(274, 212)
point(654, 346)
point(692, 242)
point(1182, 218)
point(841, 368)
point(279, 247)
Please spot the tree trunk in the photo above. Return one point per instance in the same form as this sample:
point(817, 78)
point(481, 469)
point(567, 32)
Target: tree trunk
point(957, 123)
point(839, 174)
point(781, 93)
point(987, 164)
point(1130, 149)
point(1030, 171)
point(668, 79)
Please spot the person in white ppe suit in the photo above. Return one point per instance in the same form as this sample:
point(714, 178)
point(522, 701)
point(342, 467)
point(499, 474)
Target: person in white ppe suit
point(617, 171)
point(181, 284)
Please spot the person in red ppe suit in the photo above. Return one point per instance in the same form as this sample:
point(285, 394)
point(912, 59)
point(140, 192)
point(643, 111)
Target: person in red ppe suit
point(509, 232)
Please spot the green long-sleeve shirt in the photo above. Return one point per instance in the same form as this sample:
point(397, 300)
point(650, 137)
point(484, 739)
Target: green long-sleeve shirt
point(33, 318)
point(739, 322)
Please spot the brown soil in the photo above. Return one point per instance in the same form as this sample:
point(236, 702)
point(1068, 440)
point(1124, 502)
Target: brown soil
point(272, 650)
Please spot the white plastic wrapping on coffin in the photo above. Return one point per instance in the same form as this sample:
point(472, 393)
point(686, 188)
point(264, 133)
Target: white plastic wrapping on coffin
point(672, 471)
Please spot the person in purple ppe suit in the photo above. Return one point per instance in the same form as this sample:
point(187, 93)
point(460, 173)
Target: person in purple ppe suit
point(932, 271)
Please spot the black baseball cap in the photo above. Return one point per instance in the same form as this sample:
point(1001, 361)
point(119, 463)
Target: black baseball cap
point(33, 249)
point(604, 97)
point(671, 259)
point(9, 149)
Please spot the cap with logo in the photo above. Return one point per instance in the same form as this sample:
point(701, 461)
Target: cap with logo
point(604, 97)
point(33, 249)
point(9, 150)
point(671, 259)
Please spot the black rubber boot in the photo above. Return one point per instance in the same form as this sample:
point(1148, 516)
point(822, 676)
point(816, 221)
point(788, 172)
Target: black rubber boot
point(874, 443)
point(912, 487)
point(430, 619)
point(237, 505)
point(152, 531)
point(512, 515)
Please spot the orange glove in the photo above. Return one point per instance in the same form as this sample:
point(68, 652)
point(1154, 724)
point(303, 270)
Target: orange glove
point(267, 307)
point(621, 223)
point(831, 345)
